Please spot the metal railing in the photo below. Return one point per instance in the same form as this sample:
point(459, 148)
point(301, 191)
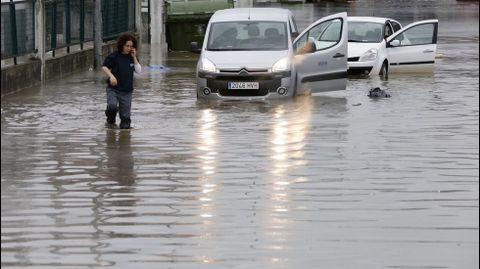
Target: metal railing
point(67, 23)
point(118, 16)
point(18, 28)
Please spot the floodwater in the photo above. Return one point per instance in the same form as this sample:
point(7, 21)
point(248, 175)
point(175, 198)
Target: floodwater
point(336, 181)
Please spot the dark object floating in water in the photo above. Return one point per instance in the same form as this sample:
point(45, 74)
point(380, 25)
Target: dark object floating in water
point(378, 93)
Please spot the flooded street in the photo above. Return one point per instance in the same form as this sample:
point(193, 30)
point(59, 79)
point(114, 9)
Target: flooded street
point(335, 181)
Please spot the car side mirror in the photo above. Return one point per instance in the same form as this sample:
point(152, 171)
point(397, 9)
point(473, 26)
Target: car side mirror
point(395, 43)
point(195, 48)
point(295, 35)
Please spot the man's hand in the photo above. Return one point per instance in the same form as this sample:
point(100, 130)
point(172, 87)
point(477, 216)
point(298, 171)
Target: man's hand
point(111, 77)
point(113, 80)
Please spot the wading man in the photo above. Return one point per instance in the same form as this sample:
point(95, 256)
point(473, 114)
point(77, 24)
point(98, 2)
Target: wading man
point(119, 67)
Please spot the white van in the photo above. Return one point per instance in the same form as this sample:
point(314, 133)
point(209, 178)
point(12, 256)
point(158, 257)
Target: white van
point(252, 53)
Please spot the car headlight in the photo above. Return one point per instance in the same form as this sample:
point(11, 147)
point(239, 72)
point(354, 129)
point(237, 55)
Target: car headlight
point(281, 65)
point(370, 55)
point(208, 66)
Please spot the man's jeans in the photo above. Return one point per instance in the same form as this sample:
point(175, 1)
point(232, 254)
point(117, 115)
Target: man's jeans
point(121, 102)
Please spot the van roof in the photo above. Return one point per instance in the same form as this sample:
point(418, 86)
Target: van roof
point(254, 14)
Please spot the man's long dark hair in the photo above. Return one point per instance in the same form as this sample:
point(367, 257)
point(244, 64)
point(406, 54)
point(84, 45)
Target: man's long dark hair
point(122, 40)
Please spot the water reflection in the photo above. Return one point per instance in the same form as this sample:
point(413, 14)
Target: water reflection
point(296, 177)
point(207, 138)
point(289, 133)
point(114, 205)
point(311, 182)
point(207, 143)
point(207, 146)
point(119, 165)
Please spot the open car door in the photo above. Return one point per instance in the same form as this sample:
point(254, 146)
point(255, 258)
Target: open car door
point(321, 55)
point(414, 47)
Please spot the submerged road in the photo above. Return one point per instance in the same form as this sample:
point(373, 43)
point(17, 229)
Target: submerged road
point(329, 181)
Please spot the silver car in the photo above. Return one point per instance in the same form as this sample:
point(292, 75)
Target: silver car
point(256, 53)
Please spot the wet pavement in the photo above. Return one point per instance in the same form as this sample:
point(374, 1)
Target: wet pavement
point(329, 181)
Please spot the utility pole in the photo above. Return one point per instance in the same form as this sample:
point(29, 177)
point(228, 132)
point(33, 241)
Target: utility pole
point(157, 8)
point(138, 20)
point(98, 34)
point(158, 46)
point(40, 36)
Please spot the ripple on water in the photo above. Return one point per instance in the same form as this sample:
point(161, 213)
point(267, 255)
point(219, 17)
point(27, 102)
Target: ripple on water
point(390, 183)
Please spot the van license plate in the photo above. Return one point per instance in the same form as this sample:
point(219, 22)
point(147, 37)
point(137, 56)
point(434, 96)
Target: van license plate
point(243, 85)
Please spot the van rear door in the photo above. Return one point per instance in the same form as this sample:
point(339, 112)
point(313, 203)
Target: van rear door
point(321, 55)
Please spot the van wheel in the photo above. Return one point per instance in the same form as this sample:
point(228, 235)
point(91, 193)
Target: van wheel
point(384, 70)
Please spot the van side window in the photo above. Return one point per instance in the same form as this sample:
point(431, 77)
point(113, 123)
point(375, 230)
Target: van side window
point(294, 24)
point(297, 47)
point(388, 30)
point(395, 26)
point(324, 35)
point(293, 32)
point(293, 28)
point(423, 34)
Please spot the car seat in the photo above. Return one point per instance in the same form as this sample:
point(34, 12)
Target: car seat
point(271, 33)
point(272, 36)
point(253, 31)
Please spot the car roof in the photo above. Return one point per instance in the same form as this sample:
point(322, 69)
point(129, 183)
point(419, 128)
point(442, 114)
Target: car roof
point(370, 19)
point(254, 14)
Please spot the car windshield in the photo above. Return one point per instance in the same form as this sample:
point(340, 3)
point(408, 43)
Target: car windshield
point(365, 32)
point(248, 35)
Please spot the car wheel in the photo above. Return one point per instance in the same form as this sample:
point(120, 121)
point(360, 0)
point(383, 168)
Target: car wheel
point(384, 70)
